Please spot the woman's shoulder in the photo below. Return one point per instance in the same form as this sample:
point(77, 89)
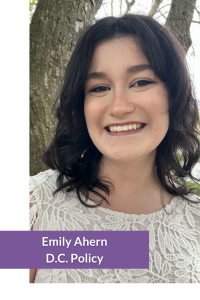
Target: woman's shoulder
point(41, 188)
point(187, 211)
point(180, 203)
point(193, 207)
point(47, 177)
point(44, 204)
point(194, 201)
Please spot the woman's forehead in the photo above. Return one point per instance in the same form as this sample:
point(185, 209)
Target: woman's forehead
point(120, 52)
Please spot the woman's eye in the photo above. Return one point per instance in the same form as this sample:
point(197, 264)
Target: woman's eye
point(99, 89)
point(141, 83)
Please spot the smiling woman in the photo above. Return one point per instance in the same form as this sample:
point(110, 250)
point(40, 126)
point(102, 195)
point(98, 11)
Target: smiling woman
point(125, 109)
point(128, 94)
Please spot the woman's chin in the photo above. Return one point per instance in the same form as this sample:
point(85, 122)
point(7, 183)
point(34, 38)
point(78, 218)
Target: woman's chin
point(123, 157)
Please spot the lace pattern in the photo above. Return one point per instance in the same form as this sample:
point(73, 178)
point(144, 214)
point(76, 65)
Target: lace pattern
point(174, 240)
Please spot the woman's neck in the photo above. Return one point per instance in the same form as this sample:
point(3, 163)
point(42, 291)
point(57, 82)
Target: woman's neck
point(136, 185)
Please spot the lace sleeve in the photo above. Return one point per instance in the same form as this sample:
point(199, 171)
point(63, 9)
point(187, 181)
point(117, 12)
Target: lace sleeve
point(35, 203)
point(42, 187)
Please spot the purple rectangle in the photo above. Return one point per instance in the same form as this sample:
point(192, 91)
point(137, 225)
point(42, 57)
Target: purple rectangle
point(74, 249)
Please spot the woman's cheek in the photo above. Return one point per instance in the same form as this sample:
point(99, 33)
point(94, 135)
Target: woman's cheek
point(94, 109)
point(91, 118)
point(159, 107)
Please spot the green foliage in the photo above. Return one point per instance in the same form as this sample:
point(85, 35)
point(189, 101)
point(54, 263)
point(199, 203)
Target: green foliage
point(32, 6)
point(189, 183)
point(181, 157)
point(194, 185)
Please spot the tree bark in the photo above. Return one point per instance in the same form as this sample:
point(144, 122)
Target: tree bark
point(179, 20)
point(54, 30)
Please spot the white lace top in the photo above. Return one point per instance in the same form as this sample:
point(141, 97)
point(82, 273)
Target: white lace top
point(174, 239)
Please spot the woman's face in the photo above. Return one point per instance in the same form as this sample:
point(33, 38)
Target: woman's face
point(122, 94)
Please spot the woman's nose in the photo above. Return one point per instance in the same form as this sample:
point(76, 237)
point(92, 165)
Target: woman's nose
point(120, 104)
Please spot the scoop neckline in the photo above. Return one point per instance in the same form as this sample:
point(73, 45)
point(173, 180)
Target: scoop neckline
point(169, 208)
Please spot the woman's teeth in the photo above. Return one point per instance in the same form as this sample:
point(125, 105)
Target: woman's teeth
point(125, 127)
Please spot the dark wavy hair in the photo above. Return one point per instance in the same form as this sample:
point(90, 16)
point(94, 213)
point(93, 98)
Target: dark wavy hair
point(78, 170)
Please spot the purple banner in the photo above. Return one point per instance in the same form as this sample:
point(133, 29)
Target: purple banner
point(74, 249)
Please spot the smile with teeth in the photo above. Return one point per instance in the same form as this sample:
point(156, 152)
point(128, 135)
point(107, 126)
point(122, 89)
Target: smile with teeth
point(129, 127)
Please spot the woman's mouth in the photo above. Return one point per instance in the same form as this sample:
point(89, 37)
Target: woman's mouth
point(126, 129)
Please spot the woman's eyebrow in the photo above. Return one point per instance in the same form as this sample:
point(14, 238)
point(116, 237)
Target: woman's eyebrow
point(132, 69)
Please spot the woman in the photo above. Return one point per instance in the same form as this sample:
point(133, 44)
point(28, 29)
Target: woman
point(126, 139)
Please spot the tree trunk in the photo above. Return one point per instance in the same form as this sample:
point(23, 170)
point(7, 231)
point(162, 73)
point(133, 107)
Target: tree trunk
point(54, 30)
point(179, 20)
